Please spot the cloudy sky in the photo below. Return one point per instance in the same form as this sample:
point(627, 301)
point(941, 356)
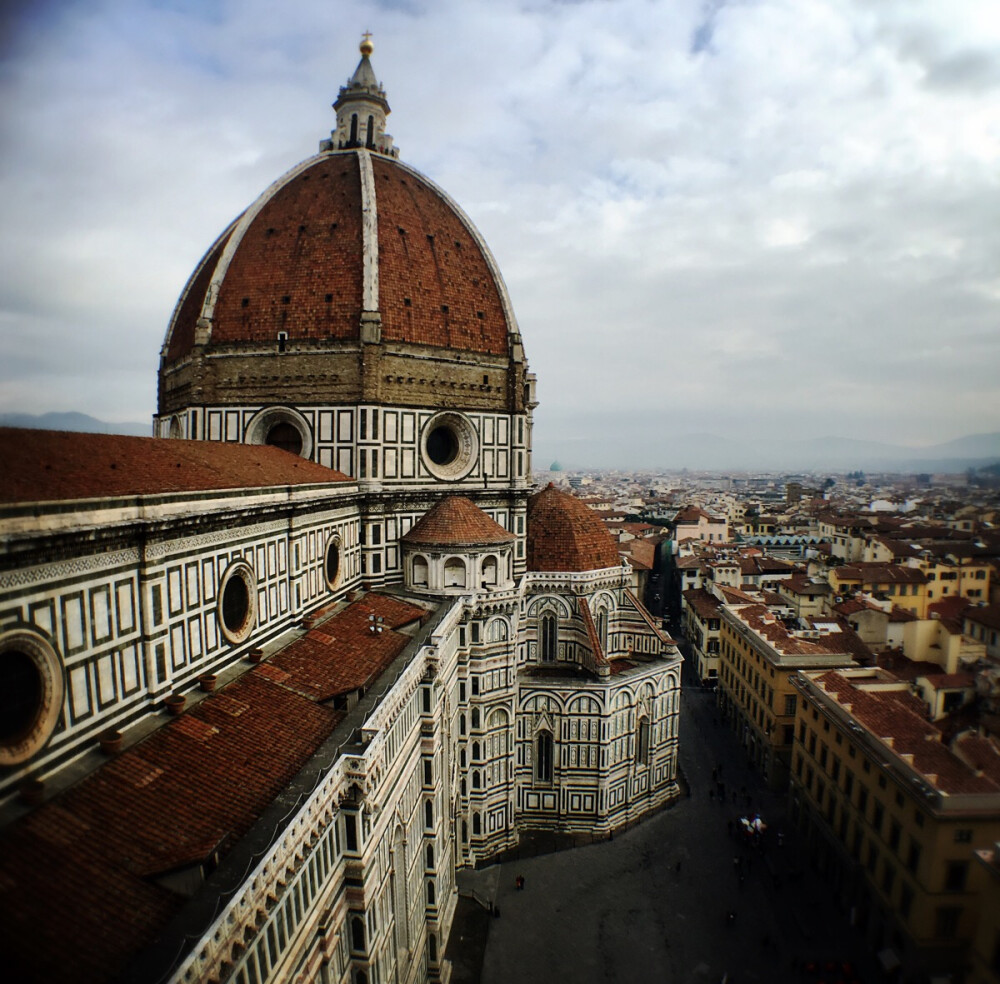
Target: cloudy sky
point(747, 217)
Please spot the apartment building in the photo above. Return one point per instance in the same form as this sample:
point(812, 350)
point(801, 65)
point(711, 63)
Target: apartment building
point(760, 655)
point(893, 812)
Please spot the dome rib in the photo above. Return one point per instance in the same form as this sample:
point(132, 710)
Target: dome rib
point(564, 535)
point(456, 522)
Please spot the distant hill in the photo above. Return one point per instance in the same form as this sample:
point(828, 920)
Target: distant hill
point(73, 422)
point(639, 447)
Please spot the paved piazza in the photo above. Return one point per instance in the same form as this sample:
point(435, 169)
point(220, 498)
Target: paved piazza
point(621, 911)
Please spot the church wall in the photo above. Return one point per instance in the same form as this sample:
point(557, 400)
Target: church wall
point(599, 780)
point(372, 443)
point(344, 884)
point(138, 614)
point(488, 781)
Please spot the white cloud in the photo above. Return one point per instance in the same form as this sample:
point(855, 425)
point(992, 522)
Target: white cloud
point(770, 217)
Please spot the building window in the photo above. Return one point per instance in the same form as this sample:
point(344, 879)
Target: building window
point(489, 572)
point(419, 571)
point(955, 876)
point(237, 609)
point(543, 757)
point(548, 632)
point(963, 835)
point(642, 742)
point(602, 629)
point(331, 561)
point(31, 694)
point(454, 573)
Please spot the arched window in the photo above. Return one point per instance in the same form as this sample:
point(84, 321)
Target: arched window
point(475, 751)
point(354, 129)
point(428, 814)
point(475, 779)
point(602, 629)
point(420, 571)
point(357, 933)
point(548, 640)
point(475, 824)
point(430, 893)
point(475, 717)
point(432, 947)
point(543, 757)
point(454, 573)
point(429, 856)
point(370, 138)
point(489, 571)
point(642, 742)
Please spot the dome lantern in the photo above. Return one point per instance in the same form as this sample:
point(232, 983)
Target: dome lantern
point(362, 109)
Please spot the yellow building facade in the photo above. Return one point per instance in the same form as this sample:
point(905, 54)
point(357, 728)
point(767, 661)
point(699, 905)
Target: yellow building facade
point(892, 815)
point(759, 658)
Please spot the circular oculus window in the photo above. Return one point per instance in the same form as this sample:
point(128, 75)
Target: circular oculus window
point(281, 427)
point(31, 694)
point(449, 445)
point(331, 561)
point(238, 602)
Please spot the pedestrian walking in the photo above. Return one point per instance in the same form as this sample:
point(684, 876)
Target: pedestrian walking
point(519, 882)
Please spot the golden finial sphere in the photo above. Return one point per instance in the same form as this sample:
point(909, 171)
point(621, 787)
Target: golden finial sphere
point(366, 47)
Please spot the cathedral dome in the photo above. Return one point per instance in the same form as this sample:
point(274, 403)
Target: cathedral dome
point(349, 250)
point(345, 233)
point(565, 535)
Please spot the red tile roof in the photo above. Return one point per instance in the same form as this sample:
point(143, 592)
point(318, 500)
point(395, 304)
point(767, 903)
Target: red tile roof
point(703, 602)
point(874, 573)
point(949, 608)
point(459, 522)
point(641, 554)
point(987, 615)
point(899, 716)
point(343, 654)
point(564, 535)
point(77, 874)
point(47, 466)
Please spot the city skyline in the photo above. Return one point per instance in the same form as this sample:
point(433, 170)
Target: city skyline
point(764, 222)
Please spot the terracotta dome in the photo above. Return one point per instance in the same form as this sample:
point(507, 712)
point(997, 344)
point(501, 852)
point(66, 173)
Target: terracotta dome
point(565, 535)
point(456, 522)
point(295, 262)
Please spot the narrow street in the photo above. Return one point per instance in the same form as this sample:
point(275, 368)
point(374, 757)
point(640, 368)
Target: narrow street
point(683, 897)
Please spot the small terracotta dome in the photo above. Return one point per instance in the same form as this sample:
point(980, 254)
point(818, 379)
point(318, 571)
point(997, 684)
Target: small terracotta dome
point(565, 535)
point(456, 522)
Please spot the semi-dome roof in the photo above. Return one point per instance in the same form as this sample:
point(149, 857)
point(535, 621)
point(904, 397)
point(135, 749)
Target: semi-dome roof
point(565, 535)
point(456, 522)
